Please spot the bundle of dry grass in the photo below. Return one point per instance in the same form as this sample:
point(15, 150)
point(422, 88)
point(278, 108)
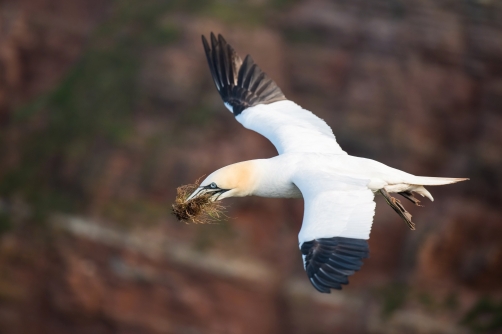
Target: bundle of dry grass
point(198, 210)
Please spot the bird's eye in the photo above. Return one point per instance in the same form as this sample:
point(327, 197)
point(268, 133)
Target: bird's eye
point(213, 185)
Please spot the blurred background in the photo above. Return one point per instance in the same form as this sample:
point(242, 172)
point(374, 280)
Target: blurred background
point(107, 106)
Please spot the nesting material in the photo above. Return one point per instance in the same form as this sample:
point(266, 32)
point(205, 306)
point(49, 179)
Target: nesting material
point(199, 210)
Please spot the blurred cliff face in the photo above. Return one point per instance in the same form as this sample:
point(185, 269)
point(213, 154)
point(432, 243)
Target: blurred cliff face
point(107, 107)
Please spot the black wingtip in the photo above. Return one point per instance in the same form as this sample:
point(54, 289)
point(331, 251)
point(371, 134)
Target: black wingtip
point(207, 49)
point(240, 84)
point(221, 39)
point(213, 39)
point(330, 261)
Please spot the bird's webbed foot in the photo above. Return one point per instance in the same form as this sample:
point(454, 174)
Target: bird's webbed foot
point(409, 196)
point(399, 208)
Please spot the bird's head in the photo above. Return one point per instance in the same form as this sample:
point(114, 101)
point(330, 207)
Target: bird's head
point(236, 180)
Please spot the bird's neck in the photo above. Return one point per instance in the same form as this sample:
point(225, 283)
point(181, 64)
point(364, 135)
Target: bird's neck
point(271, 178)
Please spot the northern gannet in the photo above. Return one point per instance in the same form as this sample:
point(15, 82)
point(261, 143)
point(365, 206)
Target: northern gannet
point(338, 189)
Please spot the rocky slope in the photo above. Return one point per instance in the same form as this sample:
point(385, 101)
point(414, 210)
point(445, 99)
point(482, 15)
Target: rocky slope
point(107, 107)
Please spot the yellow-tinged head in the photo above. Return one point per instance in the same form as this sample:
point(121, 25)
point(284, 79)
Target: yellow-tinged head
point(236, 180)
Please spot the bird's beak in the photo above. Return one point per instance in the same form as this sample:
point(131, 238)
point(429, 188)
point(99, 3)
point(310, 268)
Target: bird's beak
point(215, 193)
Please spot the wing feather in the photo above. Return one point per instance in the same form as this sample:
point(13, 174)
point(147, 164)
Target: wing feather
point(238, 81)
point(336, 224)
point(290, 128)
point(259, 104)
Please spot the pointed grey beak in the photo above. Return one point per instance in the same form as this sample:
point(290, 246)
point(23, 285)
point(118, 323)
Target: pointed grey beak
point(216, 192)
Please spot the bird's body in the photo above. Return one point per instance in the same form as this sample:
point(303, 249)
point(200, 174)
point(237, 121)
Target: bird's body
point(276, 175)
point(338, 189)
point(320, 153)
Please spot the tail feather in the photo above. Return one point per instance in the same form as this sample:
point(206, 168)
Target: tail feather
point(422, 181)
point(436, 181)
point(423, 192)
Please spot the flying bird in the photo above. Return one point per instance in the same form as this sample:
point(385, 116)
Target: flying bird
point(338, 189)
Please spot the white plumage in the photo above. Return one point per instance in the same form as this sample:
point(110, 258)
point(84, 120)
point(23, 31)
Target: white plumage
point(290, 128)
point(338, 189)
point(335, 205)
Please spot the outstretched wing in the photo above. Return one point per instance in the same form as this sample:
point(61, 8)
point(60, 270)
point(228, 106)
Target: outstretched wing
point(259, 104)
point(336, 225)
